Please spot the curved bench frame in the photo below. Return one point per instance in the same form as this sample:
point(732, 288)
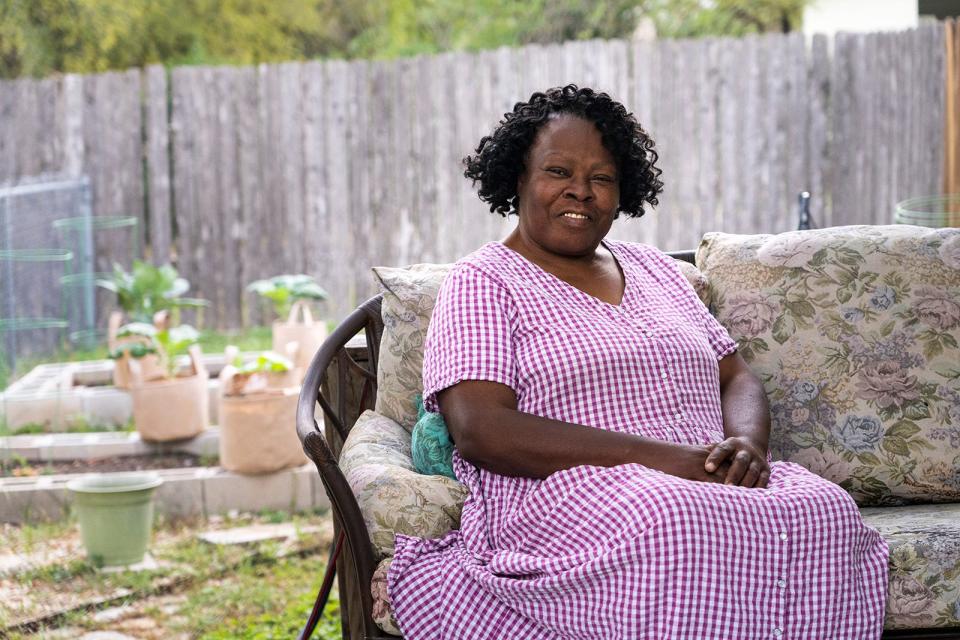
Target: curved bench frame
point(345, 386)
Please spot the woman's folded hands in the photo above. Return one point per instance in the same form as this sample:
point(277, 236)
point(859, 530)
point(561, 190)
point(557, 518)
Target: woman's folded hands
point(740, 462)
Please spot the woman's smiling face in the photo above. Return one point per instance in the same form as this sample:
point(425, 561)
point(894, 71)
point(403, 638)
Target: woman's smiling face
point(570, 190)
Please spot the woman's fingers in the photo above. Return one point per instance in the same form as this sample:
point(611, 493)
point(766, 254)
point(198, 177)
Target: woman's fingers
point(752, 477)
point(718, 456)
point(764, 479)
point(741, 462)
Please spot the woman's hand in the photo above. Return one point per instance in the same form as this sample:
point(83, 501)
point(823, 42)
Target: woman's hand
point(689, 461)
point(745, 463)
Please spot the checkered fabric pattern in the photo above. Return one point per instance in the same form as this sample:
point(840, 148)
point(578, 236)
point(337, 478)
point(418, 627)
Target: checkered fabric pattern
point(622, 552)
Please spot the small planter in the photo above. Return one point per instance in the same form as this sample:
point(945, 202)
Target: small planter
point(929, 211)
point(172, 409)
point(116, 515)
point(150, 367)
point(258, 429)
point(307, 333)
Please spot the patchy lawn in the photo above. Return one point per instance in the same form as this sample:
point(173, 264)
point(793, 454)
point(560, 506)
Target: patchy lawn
point(196, 590)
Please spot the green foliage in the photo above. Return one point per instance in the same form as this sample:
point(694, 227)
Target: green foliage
point(38, 37)
point(695, 18)
point(167, 343)
point(281, 291)
point(266, 362)
point(149, 289)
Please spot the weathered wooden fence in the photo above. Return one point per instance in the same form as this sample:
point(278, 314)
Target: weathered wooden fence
point(331, 167)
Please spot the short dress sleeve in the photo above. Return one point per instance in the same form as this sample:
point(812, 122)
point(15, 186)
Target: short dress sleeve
point(720, 341)
point(470, 336)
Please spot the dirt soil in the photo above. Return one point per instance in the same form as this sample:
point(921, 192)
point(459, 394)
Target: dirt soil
point(117, 463)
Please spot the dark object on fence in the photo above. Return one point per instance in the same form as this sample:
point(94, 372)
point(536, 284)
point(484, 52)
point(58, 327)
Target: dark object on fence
point(804, 205)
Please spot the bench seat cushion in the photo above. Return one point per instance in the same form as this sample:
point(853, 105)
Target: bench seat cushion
point(393, 496)
point(924, 544)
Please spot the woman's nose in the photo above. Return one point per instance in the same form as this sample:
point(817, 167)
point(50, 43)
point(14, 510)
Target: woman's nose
point(579, 189)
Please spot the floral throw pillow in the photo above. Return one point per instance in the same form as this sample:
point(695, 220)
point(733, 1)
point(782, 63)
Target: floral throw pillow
point(854, 332)
point(409, 294)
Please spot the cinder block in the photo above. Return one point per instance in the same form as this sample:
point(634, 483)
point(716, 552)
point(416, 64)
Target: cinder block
point(281, 491)
point(31, 503)
point(303, 497)
point(180, 495)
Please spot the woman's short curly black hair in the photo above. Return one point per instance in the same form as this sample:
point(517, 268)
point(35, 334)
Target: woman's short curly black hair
point(500, 158)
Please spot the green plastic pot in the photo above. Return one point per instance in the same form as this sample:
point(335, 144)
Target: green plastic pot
point(929, 211)
point(116, 515)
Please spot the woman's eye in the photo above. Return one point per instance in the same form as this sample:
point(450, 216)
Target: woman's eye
point(603, 178)
point(557, 171)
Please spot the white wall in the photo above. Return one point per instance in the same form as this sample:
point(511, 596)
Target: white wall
point(831, 16)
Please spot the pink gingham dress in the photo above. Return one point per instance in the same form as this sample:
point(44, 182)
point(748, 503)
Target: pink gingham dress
point(621, 552)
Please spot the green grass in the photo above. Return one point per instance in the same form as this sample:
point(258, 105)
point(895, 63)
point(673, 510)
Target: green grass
point(237, 592)
point(77, 424)
point(258, 603)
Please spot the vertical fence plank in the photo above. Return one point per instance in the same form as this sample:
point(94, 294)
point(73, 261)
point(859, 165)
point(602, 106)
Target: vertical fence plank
point(708, 118)
point(816, 156)
point(251, 191)
point(316, 222)
point(842, 121)
point(157, 177)
point(229, 209)
point(207, 250)
point(184, 181)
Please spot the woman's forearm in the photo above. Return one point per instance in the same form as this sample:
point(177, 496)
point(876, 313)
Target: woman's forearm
point(492, 434)
point(521, 444)
point(743, 402)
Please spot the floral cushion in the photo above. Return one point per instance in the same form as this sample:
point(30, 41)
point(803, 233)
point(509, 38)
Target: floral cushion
point(854, 332)
point(393, 497)
point(924, 544)
point(382, 607)
point(409, 294)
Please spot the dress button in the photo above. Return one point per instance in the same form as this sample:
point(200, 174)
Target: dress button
point(664, 375)
point(777, 632)
point(783, 535)
point(781, 583)
point(679, 417)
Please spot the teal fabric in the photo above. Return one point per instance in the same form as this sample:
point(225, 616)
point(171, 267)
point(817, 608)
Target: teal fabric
point(430, 444)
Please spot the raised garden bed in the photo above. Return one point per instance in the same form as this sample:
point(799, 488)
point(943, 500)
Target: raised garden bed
point(23, 469)
point(58, 397)
point(186, 492)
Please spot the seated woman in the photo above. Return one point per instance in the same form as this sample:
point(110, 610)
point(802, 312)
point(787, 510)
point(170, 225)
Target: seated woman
point(613, 441)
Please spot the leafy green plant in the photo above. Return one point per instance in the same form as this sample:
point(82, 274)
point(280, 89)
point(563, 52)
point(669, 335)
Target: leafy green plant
point(283, 290)
point(168, 343)
point(266, 362)
point(148, 289)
